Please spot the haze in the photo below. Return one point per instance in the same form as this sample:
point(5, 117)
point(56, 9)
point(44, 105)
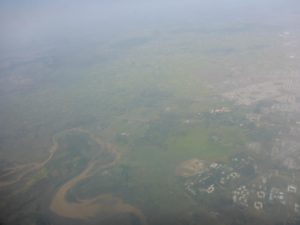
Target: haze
point(150, 112)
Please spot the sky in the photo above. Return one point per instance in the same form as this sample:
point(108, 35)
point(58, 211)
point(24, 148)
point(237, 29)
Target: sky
point(24, 23)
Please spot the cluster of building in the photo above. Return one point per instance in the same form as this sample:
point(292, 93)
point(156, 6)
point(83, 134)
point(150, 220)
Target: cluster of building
point(247, 191)
point(253, 195)
point(241, 195)
point(260, 196)
point(218, 176)
point(284, 93)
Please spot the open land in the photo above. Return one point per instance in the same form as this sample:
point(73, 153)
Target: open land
point(189, 128)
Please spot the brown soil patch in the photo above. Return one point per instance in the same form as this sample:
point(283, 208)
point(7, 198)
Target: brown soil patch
point(190, 168)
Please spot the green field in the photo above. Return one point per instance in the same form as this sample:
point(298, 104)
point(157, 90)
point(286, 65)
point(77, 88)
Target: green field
point(151, 99)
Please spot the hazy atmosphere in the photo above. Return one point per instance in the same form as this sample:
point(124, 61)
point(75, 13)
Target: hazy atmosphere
point(155, 112)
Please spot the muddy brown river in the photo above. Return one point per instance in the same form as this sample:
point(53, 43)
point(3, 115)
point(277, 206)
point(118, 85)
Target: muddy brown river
point(105, 203)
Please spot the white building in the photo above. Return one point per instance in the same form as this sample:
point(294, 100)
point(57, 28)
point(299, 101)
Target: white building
point(258, 205)
point(292, 189)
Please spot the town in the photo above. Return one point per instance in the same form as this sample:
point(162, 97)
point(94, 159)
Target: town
point(243, 183)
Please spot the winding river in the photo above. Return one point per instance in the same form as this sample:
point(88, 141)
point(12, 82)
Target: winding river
point(88, 208)
point(84, 209)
